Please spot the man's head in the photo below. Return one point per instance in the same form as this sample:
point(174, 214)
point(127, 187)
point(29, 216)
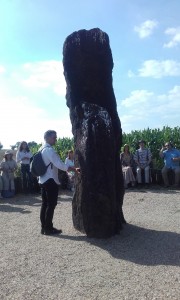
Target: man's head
point(142, 143)
point(168, 145)
point(50, 137)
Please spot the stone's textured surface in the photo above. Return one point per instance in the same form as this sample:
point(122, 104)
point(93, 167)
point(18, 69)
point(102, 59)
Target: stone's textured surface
point(97, 202)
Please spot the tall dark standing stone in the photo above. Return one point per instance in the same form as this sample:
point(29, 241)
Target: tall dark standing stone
point(98, 197)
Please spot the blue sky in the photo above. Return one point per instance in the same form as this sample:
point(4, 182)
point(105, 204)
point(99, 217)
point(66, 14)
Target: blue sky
point(145, 43)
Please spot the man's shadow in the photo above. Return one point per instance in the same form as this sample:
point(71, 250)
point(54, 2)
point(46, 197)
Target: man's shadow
point(139, 245)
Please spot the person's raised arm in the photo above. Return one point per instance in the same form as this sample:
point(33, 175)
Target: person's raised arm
point(161, 154)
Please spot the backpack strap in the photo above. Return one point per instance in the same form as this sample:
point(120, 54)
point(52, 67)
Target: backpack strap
point(50, 162)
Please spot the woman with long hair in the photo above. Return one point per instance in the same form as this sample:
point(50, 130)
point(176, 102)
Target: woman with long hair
point(23, 157)
point(127, 166)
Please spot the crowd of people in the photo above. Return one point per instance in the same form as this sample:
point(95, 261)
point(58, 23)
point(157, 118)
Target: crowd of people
point(8, 166)
point(136, 167)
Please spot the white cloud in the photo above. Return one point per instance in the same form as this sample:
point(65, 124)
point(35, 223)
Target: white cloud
point(144, 109)
point(2, 69)
point(159, 69)
point(174, 33)
point(43, 75)
point(136, 98)
point(131, 74)
point(146, 28)
point(23, 120)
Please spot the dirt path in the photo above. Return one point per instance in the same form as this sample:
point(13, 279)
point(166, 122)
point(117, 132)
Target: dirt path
point(141, 263)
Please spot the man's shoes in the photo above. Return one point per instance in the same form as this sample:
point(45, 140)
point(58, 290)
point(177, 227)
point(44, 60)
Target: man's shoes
point(51, 231)
point(147, 186)
point(166, 186)
point(175, 185)
point(42, 230)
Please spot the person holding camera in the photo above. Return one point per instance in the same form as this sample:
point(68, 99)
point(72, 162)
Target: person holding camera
point(171, 158)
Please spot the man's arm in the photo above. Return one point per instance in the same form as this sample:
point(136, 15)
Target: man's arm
point(136, 158)
point(57, 162)
point(161, 152)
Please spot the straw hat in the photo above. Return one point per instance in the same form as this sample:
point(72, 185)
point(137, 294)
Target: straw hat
point(8, 152)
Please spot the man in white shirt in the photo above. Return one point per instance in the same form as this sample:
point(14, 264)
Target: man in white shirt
point(49, 182)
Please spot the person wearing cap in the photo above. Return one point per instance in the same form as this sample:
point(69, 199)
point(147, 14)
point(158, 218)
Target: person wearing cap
point(23, 157)
point(50, 181)
point(171, 158)
point(142, 158)
point(8, 167)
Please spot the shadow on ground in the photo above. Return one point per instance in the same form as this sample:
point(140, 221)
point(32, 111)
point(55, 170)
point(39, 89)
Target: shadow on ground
point(154, 189)
point(11, 205)
point(139, 245)
point(13, 209)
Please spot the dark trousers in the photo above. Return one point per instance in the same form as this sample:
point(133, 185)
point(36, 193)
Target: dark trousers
point(49, 192)
point(26, 178)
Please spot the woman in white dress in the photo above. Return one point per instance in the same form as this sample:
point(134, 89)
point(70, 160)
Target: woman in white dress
point(8, 167)
point(127, 166)
point(69, 161)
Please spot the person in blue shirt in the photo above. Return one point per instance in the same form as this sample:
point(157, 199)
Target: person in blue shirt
point(171, 162)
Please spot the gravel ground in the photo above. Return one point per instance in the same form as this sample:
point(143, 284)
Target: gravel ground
point(141, 263)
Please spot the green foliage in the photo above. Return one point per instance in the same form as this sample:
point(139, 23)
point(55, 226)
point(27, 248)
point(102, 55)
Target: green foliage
point(35, 148)
point(17, 173)
point(154, 138)
point(32, 144)
point(63, 145)
point(13, 147)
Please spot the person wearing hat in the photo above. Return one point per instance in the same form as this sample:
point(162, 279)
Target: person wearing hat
point(8, 166)
point(142, 158)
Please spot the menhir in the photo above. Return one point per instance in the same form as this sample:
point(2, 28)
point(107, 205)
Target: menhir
point(98, 197)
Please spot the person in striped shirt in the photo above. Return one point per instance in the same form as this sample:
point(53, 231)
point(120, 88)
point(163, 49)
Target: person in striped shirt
point(142, 158)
